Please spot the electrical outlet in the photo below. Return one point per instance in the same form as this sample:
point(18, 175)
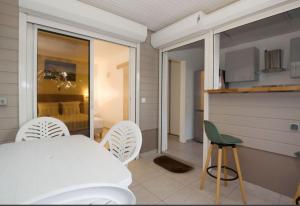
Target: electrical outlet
point(294, 126)
point(3, 101)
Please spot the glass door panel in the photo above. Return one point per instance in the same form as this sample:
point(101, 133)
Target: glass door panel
point(63, 80)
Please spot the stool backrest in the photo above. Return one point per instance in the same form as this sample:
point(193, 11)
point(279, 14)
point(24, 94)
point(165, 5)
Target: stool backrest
point(212, 132)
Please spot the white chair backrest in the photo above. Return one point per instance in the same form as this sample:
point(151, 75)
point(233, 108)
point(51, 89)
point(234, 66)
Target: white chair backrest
point(125, 141)
point(87, 195)
point(41, 128)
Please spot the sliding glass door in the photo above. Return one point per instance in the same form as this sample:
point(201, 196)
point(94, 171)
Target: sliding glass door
point(63, 88)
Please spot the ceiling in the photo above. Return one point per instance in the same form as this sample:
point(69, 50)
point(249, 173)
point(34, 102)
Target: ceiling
point(156, 14)
point(275, 25)
point(194, 45)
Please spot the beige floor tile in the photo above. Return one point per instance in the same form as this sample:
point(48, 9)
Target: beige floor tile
point(144, 196)
point(188, 195)
point(255, 195)
point(190, 151)
point(154, 185)
point(185, 178)
point(162, 186)
point(285, 200)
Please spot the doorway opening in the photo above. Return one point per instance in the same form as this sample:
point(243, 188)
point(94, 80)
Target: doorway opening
point(111, 86)
point(186, 102)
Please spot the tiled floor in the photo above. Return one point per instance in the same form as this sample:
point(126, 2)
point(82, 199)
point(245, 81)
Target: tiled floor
point(155, 185)
point(191, 151)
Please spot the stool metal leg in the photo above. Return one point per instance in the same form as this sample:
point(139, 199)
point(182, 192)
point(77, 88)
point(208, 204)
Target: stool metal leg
point(225, 164)
point(238, 168)
point(203, 175)
point(219, 176)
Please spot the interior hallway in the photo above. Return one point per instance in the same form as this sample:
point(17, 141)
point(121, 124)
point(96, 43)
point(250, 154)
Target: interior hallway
point(189, 152)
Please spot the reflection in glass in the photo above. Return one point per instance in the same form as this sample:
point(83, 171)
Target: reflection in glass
point(63, 80)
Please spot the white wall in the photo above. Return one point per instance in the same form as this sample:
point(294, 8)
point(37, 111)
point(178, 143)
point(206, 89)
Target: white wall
point(276, 42)
point(108, 81)
point(194, 59)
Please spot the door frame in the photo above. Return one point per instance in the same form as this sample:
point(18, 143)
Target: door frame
point(209, 83)
point(28, 57)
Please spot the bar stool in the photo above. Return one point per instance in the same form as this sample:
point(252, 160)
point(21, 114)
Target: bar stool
point(222, 142)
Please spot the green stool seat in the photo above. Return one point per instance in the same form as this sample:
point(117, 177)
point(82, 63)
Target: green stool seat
point(216, 138)
point(227, 139)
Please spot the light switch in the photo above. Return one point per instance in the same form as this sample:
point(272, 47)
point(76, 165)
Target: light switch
point(143, 100)
point(3, 101)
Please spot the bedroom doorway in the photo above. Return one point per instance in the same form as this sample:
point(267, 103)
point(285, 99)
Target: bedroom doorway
point(111, 86)
point(57, 75)
point(63, 89)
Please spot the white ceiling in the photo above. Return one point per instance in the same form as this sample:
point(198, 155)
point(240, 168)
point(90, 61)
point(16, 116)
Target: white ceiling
point(275, 25)
point(156, 14)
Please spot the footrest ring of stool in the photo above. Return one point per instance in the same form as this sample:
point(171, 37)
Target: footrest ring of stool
point(226, 168)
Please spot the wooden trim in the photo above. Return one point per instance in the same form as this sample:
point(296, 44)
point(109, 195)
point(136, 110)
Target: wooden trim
point(204, 173)
point(261, 89)
point(238, 168)
point(297, 193)
point(218, 188)
point(225, 163)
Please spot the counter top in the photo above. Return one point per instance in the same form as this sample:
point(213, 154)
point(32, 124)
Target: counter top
point(262, 89)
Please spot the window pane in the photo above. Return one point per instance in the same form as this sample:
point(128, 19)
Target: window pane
point(63, 80)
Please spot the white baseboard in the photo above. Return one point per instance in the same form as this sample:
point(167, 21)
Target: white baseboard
point(151, 152)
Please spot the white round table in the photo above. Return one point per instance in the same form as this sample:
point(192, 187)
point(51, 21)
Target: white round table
point(30, 169)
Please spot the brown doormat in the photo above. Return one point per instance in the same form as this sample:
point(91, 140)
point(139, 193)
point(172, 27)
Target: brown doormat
point(172, 165)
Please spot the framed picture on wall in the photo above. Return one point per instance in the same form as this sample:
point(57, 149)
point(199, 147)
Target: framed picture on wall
point(54, 69)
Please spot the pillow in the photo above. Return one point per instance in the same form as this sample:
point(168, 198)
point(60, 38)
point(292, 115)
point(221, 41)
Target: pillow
point(48, 109)
point(70, 108)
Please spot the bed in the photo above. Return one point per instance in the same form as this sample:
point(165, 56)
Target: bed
point(68, 108)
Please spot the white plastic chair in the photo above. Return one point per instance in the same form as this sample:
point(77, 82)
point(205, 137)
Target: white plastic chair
point(42, 128)
point(125, 141)
point(87, 195)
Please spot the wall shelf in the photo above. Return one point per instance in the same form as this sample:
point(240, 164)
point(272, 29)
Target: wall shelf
point(262, 89)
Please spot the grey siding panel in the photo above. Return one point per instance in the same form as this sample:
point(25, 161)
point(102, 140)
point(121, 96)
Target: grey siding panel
point(9, 31)
point(9, 9)
point(8, 135)
point(8, 112)
point(262, 122)
point(275, 172)
point(9, 123)
point(149, 140)
point(8, 66)
point(7, 20)
point(7, 43)
point(8, 89)
point(15, 3)
point(8, 55)
point(149, 90)
point(8, 77)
